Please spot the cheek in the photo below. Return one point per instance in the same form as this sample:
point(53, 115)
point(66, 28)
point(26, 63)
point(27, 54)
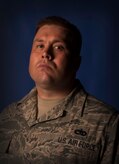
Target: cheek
point(62, 63)
point(33, 59)
point(32, 62)
point(61, 60)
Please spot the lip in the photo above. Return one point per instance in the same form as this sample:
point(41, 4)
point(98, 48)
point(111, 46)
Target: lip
point(42, 65)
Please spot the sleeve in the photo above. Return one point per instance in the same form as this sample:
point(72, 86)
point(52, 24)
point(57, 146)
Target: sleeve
point(110, 153)
point(116, 149)
point(8, 126)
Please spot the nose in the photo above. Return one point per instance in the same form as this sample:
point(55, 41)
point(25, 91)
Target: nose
point(46, 55)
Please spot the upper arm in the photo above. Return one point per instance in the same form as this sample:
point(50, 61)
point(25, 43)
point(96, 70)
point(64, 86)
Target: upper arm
point(8, 126)
point(110, 153)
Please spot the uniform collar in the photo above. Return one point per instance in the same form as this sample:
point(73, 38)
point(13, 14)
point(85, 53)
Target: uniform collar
point(29, 108)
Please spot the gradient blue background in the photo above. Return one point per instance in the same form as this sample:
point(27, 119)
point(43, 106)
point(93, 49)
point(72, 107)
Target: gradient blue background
point(98, 22)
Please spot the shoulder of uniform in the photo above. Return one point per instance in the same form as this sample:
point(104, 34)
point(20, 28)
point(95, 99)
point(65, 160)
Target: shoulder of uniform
point(28, 96)
point(8, 112)
point(97, 105)
point(13, 109)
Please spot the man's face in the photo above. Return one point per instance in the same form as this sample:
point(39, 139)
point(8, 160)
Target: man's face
point(50, 58)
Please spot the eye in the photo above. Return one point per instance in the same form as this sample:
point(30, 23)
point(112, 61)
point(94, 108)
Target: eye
point(40, 46)
point(59, 47)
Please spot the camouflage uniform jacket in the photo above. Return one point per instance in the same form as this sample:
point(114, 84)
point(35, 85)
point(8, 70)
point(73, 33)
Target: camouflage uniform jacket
point(80, 130)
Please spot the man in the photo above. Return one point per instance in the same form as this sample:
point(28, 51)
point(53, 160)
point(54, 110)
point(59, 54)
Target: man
point(58, 122)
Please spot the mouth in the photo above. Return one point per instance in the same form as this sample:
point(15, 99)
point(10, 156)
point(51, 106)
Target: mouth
point(44, 66)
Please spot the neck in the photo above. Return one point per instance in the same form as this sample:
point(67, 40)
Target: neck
point(54, 93)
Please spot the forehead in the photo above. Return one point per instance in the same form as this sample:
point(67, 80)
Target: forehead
point(55, 30)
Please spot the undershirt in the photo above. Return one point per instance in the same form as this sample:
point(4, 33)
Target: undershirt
point(45, 105)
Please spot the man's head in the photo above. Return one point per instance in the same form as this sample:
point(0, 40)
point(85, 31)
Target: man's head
point(74, 38)
point(55, 55)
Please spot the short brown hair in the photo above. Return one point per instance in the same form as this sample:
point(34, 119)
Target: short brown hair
point(74, 37)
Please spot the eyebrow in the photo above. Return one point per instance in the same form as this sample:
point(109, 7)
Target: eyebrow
point(38, 40)
point(54, 41)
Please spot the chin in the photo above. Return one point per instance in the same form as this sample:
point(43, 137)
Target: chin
point(45, 82)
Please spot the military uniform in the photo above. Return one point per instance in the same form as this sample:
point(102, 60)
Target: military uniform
point(80, 130)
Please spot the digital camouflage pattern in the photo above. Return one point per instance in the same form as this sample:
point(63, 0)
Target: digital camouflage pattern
point(80, 130)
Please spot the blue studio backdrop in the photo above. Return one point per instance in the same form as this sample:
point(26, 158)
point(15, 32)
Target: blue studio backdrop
point(99, 24)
